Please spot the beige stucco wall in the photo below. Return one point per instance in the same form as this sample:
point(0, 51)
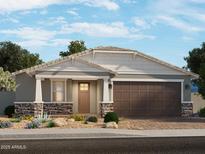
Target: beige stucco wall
point(46, 90)
point(69, 90)
point(198, 102)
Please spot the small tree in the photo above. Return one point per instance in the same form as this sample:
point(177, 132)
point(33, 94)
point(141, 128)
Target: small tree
point(74, 47)
point(196, 63)
point(7, 83)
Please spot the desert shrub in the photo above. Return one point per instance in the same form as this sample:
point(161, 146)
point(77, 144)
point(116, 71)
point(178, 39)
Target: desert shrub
point(33, 124)
point(51, 123)
point(110, 117)
point(15, 120)
point(9, 110)
point(42, 120)
point(27, 117)
point(78, 117)
point(202, 112)
point(5, 124)
point(92, 119)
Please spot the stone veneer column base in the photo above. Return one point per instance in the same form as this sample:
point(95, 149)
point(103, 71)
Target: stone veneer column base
point(105, 108)
point(24, 109)
point(36, 109)
point(186, 109)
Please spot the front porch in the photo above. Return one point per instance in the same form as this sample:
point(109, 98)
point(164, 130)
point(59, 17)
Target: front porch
point(61, 95)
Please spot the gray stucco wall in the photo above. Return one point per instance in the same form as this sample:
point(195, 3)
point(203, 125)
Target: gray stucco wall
point(26, 86)
point(25, 90)
point(6, 99)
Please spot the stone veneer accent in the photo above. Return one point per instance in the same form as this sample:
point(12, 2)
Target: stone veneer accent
point(58, 108)
point(187, 109)
point(24, 109)
point(35, 109)
point(105, 108)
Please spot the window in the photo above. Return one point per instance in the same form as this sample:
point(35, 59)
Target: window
point(58, 91)
point(84, 86)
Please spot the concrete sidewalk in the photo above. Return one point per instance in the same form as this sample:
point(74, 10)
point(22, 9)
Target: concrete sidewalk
point(65, 133)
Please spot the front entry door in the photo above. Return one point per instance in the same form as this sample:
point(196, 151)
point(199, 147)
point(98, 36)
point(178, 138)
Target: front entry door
point(84, 97)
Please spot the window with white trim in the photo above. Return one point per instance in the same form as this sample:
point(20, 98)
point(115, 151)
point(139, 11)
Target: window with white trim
point(58, 91)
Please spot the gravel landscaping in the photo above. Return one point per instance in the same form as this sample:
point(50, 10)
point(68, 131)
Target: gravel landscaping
point(124, 123)
point(161, 123)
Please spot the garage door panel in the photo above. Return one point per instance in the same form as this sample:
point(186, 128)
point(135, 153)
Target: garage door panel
point(147, 98)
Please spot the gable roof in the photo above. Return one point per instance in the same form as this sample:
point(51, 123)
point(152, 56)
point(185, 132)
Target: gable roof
point(102, 49)
point(117, 49)
point(61, 60)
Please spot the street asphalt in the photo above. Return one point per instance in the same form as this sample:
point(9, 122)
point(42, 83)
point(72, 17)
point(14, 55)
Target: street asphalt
point(149, 145)
point(101, 140)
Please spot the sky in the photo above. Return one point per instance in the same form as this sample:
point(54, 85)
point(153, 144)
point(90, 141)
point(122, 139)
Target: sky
point(165, 29)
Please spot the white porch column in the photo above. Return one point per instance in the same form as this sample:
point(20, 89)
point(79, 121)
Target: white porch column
point(105, 91)
point(111, 95)
point(38, 96)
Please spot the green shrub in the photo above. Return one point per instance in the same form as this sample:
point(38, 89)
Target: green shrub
point(27, 117)
point(33, 124)
point(92, 119)
point(78, 117)
point(9, 110)
point(111, 116)
point(15, 120)
point(51, 124)
point(5, 124)
point(202, 112)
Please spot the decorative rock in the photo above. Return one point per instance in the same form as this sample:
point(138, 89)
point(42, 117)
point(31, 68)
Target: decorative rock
point(60, 122)
point(71, 120)
point(111, 125)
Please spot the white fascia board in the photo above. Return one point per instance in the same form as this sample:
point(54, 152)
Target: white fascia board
point(147, 80)
point(74, 77)
point(114, 52)
point(143, 73)
point(187, 102)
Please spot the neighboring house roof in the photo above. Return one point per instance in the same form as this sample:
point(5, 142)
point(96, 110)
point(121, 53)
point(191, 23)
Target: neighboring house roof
point(101, 49)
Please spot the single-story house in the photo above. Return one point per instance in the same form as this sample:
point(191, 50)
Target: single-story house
point(105, 79)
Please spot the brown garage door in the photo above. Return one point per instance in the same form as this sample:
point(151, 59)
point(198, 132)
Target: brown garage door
point(147, 98)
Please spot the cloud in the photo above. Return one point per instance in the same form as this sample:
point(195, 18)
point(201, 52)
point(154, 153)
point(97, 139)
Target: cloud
point(72, 12)
point(23, 5)
point(60, 20)
point(29, 33)
point(60, 42)
point(184, 15)
point(9, 19)
point(129, 1)
point(141, 23)
point(111, 30)
point(108, 4)
point(33, 37)
point(179, 24)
